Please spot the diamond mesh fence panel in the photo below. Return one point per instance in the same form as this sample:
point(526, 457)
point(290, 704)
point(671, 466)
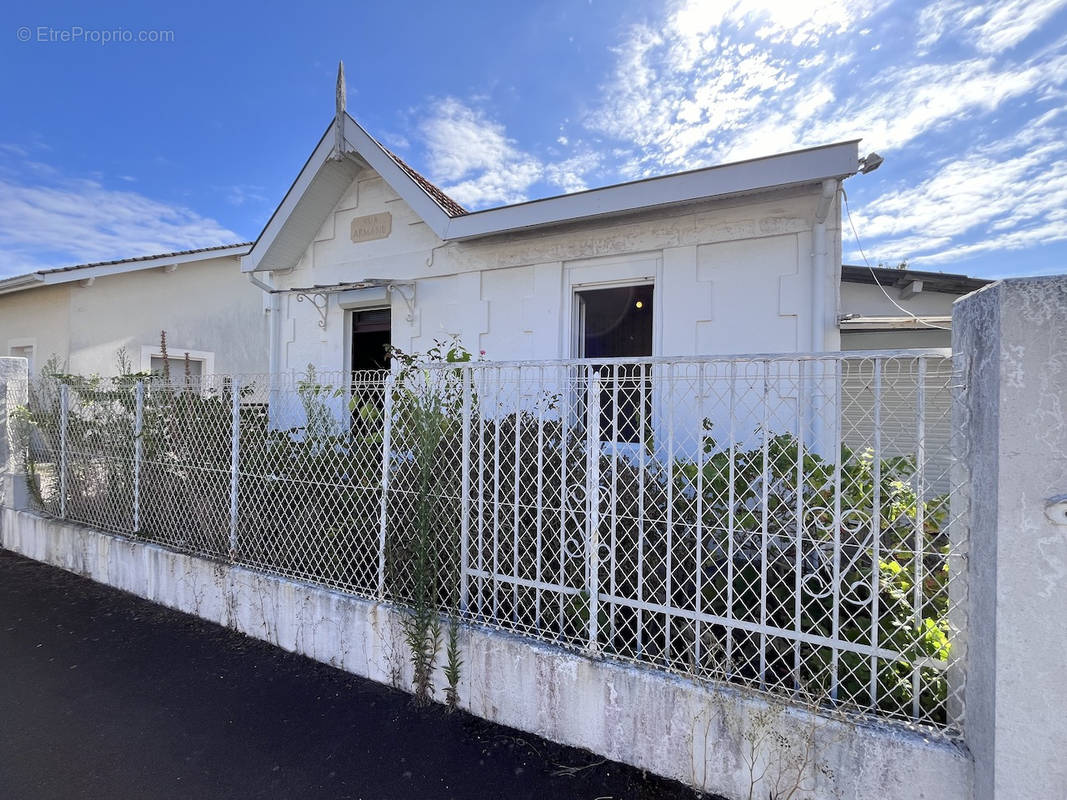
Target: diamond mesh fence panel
point(782, 523)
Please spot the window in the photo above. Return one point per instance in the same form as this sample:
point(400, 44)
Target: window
point(617, 323)
point(201, 362)
point(177, 367)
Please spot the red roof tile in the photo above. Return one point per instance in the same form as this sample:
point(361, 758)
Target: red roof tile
point(448, 205)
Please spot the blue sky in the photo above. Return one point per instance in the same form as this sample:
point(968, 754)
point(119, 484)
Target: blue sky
point(117, 149)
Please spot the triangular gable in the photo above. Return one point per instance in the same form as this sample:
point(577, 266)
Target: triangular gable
point(327, 175)
point(323, 181)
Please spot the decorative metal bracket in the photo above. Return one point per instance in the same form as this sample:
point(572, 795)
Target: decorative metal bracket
point(409, 299)
point(321, 301)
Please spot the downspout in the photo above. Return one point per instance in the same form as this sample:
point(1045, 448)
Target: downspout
point(274, 352)
point(275, 311)
point(820, 263)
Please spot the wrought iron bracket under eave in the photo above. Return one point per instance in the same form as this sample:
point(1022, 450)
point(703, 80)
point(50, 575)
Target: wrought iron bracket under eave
point(319, 296)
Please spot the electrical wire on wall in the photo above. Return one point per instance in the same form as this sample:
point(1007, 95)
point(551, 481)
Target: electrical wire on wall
point(874, 275)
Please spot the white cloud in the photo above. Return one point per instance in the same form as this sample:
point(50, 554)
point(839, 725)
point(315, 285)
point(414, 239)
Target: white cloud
point(903, 103)
point(718, 82)
point(473, 157)
point(570, 174)
point(1003, 196)
point(479, 165)
point(77, 221)
point(991, 27)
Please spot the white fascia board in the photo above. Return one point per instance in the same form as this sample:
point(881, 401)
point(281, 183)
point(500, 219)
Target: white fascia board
point(788, 169)
point(916, 323)
point(251, 262)
point(103, 270)
point(421, 203)
point(20, 282)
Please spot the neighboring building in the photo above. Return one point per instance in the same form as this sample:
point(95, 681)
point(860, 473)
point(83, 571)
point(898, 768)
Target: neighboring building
point(896, 309)
point(738, 258)
point(85, 314)
point(886, 308)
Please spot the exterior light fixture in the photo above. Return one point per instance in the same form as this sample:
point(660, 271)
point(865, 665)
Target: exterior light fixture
point(870, 162)
point(639, 304)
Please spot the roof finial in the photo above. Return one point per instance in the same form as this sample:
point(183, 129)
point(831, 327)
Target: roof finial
point(339, 120)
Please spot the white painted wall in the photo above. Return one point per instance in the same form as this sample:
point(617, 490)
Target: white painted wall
point(38, 318)
point(207, 308)
point(869, 301)
point(730, 277)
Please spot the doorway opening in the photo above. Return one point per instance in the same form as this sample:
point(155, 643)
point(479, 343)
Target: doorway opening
point(370, 339)
point(617, 323)
point(369, 360)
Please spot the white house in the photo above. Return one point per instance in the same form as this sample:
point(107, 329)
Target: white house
point(362, 250)
point(83, 315)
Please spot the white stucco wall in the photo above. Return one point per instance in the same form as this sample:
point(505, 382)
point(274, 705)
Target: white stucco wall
point(206, 307)
point(39, 318)
point(868, 300)
point(730, 277)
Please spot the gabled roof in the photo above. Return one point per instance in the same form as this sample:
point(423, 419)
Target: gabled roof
point(326, 176)
point(448, 205)
point(323, 181)
point(97, 269)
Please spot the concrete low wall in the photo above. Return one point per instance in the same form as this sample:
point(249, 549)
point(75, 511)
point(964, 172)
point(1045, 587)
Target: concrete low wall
point(674, 727)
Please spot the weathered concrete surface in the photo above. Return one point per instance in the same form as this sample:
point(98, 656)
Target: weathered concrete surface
point(13, 393)
point(667, 725)
point(1011, 338)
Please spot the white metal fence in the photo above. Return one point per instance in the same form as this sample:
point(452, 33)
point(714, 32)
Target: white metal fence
point(781, 522)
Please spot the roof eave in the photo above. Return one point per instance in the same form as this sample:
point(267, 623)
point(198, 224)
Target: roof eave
point(360, 148)
point(834, 161)
point(69, 275)
point(20, 282)
point(944, 282)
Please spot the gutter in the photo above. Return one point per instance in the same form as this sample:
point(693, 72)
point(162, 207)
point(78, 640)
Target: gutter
point(856, 322)
point(20, 282)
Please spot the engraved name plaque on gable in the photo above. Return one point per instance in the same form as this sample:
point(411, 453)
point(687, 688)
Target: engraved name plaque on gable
point(372, 226)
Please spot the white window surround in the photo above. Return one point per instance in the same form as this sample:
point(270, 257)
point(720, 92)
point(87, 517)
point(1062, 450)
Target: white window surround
point(23, 342)
point(150, 351)
point(644, 269)
point(18, 347)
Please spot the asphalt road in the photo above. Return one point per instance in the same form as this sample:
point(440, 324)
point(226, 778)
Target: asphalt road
point(105, 695)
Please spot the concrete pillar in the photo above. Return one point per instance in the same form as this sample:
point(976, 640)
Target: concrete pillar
point(14, 391)
point(1010, 340)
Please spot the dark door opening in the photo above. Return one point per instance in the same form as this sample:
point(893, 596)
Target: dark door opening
point(370, 339)
point(617, 323)
point(370, 355)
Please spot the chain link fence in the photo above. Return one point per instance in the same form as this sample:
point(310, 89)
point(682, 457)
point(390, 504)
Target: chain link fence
point(780, 522)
